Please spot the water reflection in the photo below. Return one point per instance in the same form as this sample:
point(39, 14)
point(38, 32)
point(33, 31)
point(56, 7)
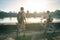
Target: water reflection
point(8, 20)
point(28, 20)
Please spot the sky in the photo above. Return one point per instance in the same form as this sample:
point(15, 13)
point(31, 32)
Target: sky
point(31, 5)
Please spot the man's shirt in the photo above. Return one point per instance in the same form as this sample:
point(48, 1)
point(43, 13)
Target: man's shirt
point(47, 17)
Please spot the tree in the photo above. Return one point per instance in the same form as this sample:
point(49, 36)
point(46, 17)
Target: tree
point(57, 13)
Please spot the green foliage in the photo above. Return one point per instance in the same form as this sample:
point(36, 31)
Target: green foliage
point(55, 14)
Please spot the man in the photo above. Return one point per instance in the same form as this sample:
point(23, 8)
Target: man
point(21, 25)
point(48, 26)
point(48, 18)
point(21, 17)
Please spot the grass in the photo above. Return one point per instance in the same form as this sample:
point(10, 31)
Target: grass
point(29, 27)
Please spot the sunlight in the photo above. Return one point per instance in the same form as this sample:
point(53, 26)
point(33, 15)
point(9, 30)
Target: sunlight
point(31, 5)
point(36, 5)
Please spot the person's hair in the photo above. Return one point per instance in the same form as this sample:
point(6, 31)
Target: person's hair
point(48, 11)
point(22, 8)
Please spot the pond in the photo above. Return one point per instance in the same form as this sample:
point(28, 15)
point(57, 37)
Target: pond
point(28, 20)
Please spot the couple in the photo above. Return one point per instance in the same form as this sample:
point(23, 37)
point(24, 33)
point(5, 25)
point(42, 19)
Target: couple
point(21, 17)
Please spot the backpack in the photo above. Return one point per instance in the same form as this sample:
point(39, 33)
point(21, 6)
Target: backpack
point(19, 17)
point(50, 19)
